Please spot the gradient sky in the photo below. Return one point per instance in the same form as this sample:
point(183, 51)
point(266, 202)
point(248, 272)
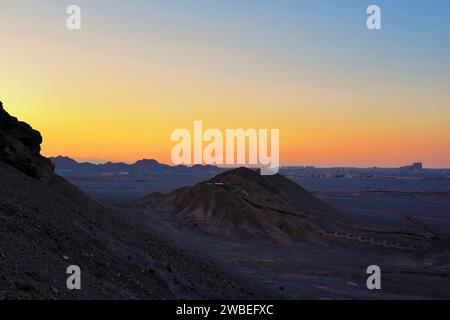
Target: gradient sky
point(340, 94)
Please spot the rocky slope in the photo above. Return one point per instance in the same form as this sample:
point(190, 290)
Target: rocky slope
point(242, 203)
point(47, 224)
point(20, 147)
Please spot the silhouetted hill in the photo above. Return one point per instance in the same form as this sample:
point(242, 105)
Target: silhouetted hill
point(47, 224)
point(20, 147)
point(65, 165)
point(62, 162)
point(245, 204)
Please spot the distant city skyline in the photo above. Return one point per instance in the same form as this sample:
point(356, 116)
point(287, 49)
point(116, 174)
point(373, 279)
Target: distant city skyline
point(340, 94)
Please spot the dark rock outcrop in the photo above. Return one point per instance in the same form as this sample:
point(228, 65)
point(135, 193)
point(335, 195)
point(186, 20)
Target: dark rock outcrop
point(20, 146)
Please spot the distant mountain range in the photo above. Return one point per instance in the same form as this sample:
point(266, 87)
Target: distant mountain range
point(68, 166)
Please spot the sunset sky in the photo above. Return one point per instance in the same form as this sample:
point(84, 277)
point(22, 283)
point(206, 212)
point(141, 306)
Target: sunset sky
point(340, 94)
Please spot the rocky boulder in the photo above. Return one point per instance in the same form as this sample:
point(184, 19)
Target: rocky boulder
point(20, 147)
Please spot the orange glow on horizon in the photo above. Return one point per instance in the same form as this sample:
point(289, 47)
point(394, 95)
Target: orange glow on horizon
point(94, 97)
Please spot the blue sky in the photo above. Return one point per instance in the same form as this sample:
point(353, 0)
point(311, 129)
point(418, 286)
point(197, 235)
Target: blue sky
point(308, 67)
